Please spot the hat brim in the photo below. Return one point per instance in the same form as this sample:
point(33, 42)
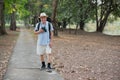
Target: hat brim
point(42, 16)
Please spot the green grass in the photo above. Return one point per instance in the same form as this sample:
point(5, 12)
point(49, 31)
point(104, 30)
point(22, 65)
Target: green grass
point(7, 25)
point(110, 28)
point(18, 24)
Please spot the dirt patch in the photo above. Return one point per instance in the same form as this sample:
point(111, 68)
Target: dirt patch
point(7, 43)
point(87, 56)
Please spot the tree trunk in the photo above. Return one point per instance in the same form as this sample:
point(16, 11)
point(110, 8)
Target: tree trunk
point(82, 24)
point(103, 22)
point(104, 16)
point(2, 22)
point(64, 24)
point(54, 4)
point(76, 28)
point(96, 15)
point(35, 20)
point(13, 22)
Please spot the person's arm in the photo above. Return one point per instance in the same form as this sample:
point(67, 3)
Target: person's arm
point(51, 39)
point(38, 32)
point(51, 36)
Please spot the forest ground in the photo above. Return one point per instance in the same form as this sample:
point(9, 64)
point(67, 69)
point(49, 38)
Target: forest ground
point(7, 43)
point(87, 56)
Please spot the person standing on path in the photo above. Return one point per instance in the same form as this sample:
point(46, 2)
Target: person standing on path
point(44, 30)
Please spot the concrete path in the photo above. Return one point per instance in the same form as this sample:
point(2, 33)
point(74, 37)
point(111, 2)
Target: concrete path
point(24, 63)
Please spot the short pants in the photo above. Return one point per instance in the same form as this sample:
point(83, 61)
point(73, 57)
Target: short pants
point(41, 50)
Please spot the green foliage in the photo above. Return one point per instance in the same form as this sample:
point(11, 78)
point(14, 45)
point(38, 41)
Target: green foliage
point(76, 9)
point(73, 11)
point(116, 11)
point(16, 6)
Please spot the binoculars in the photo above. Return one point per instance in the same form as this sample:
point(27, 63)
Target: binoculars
point(43, 28)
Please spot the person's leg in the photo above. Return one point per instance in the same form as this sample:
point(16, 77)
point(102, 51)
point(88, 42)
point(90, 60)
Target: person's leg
point(49, 57)
point(49, 61)
point(42, 58)
point(42, 62)
point(40, 52)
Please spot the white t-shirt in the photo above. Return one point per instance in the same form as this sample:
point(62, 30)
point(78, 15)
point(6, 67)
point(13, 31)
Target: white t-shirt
point(43, 38)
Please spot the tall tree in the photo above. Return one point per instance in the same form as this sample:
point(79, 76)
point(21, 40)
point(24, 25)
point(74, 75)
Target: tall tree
point(107, 7)
point(54, 5)
point(2, 23)
point(77, 11)
point(13, 7)
point(13, 18)
point(96, 12)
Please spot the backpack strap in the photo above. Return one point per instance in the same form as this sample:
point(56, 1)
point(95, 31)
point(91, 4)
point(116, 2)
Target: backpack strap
point(38, 26)
point(49, 25)
point(49, 30)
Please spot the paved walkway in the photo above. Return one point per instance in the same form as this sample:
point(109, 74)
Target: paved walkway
point(24, 63)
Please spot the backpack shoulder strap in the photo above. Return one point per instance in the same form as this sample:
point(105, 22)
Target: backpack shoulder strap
point(49, 24)
point(38, 27)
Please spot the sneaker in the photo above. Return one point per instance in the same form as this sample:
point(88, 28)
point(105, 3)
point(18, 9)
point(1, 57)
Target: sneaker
point(49, 66)
point(43, 66)
point(49, 69)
